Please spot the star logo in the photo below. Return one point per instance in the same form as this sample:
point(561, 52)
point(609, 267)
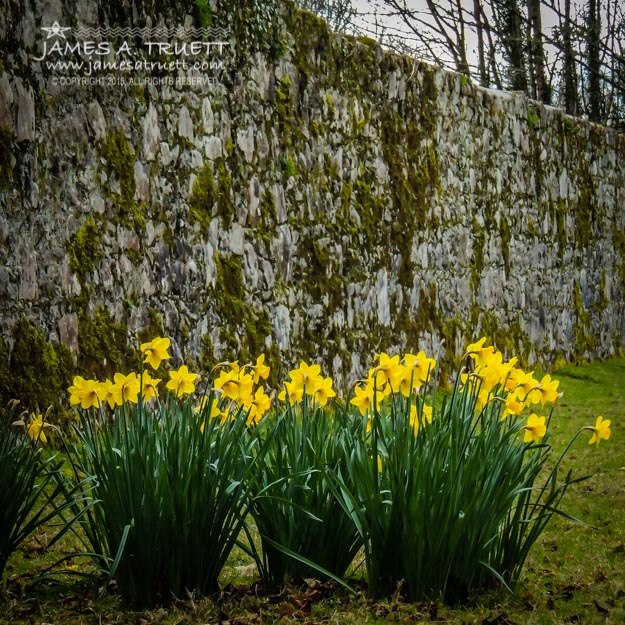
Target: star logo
point(56, 30)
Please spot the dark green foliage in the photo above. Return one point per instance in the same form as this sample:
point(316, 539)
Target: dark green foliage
point(172, 490)
point(29, 488)
point(295, 506)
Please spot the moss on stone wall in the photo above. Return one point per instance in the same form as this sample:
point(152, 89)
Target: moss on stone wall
point(225, 204)
point(243, 328)
point(5, 383)
point(618, 241)
point(84, 249)
point(35, 372)
point(202, 198)
point(121, 163)
point(505, 236)
point(103, 345)
point(510, 338)
point(202, 13)
point(477, 256)
point(585, 214)
point(6, 156)
point(349, 136)
point(585, 341)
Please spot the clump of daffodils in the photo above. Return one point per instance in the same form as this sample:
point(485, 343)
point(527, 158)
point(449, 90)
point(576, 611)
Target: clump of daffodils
point(394, 375)
point(494, 379)
point(307, 380)
point(240, 387)
point(126, 388)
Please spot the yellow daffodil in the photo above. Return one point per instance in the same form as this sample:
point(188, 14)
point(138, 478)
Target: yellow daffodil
point(492, 372)
point(323, 391)
point(426, 416)
point(235, 384)
point(601, 431)
point(404, 380)
point(363, 399)
point(294, 392)
point(149, 389)
point(35, 429)
point(386, 368)
point(512, 373)
point(546, 391)
point(182, 381)
point(513, 406)
point(75, 391)
point(156, 351)
point(524, 383)
point(215, 411)
point(85, 393)
point(421, 365)
point(108, 394)
point(535, 429)
point(307, 377)
point(479, 353)
point(379, 383)
point(260, 369)
point(126, 388)
point(258, 406)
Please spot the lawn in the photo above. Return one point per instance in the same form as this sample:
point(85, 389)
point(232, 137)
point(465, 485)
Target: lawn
point(576, 573)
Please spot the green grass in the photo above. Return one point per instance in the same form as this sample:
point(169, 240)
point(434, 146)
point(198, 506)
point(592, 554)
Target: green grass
point(576, 573)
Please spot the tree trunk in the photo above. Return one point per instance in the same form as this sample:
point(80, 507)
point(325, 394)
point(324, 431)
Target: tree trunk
point(536, 53)
point(594, 60)
point(569, 62)
point(477, 14)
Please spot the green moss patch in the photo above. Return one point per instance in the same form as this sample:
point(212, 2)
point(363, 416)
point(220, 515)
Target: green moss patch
point(35, 372)
point(84, 249)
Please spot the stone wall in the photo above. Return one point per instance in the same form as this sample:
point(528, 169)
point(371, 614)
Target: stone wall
point(322, 200)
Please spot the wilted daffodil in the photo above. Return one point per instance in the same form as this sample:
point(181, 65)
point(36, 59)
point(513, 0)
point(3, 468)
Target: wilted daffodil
point(535, 429)
point(601, 431)
point(181, 381)
point(156, 351)
point(34, 428)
